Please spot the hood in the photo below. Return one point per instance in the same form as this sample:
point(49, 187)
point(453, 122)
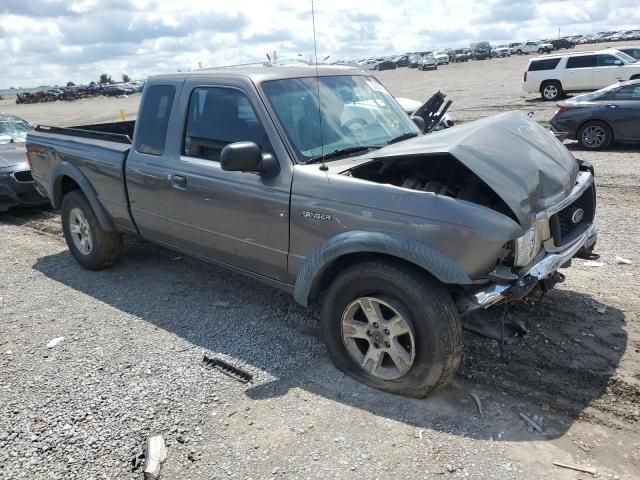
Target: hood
point(12, 154)
point(518, 159)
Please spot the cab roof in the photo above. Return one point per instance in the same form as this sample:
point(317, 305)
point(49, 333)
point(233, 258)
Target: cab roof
point(263, 73)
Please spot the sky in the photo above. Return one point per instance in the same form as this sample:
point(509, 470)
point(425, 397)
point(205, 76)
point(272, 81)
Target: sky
point(48, 42)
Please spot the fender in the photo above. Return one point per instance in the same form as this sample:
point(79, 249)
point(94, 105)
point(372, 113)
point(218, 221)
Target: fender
point(65, 169)
point(413, 251)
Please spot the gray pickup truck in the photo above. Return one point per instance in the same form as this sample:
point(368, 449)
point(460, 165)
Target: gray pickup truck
point(321, 185)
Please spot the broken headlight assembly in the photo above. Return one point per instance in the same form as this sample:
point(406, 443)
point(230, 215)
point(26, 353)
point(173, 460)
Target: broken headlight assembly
point(526, 247)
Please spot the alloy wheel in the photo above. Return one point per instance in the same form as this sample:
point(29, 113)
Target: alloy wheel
point(79, 228)
point(378, 338)
point(594, 136)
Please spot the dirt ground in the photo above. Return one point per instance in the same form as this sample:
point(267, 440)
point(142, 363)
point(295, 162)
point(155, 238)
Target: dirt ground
point(135, 334)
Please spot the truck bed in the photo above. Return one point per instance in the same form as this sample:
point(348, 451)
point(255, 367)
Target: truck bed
point(95, 152)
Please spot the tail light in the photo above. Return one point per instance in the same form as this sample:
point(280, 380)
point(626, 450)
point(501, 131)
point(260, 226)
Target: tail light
point(562, 110)
point(525, 77)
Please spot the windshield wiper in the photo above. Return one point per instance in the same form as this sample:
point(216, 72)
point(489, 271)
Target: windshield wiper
point(341, 152)
point(404, 136)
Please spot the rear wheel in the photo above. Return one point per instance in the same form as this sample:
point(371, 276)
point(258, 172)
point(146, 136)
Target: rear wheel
point(91, 246)
point(595, 135)
point(392, 328)
point(551, 90)
point(519, 52)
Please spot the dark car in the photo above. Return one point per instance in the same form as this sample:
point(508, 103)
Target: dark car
point(561, 43)
point(599, 118)
point(427, 62)
point(414, 60)
point(384, 64)
point(16, 183)
point(633, 51)
point(480, 51)
point(401, 60)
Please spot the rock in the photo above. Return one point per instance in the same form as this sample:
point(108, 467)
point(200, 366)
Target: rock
point(450, 468)
point(54, 342)
point(623, 261)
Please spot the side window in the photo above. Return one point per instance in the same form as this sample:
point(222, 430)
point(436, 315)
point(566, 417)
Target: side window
point(217, 117)
point(153, 119)
point(546, 64)
point(584, 61)
point(630, 92)
point(606, 61)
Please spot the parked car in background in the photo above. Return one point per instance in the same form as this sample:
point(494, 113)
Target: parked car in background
point(554, 75)
point(427, 62)
point(384, 64)
point(480, 51)
point(561, 43)
point(502, 50)
point(532, 47)
point(414, 60)
point(401, 60)
point(599, 118)
point(441, 57)
point(461, 55)
point(632, 51)
point(16, 183)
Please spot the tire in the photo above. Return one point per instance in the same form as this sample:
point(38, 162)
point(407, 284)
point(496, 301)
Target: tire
point(519, 52)
point(551, 90)
point(595, 135)
point(100, 248)
point(541, 50)
point(431, 344)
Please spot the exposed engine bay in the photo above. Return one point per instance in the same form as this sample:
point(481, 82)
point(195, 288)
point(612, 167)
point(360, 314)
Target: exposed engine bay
point(440, 174)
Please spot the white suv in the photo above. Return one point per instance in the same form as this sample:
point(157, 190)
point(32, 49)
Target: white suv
point(552, 75)
point(531, 47)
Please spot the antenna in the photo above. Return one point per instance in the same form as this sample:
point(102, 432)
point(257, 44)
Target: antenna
point(323, 167)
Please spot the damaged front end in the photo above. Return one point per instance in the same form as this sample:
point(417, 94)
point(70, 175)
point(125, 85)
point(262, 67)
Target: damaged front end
point(511, 165)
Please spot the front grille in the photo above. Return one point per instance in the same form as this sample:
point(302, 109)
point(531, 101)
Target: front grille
point(562, 226)
point(23, 176)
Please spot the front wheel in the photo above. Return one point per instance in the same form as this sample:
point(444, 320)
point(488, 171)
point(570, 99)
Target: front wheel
point(91, 246)
point(392, 328)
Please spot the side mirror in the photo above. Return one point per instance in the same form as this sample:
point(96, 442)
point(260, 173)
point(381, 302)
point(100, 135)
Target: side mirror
point(618, 62)
point(4, 139)
point(247, 157)
point(419, 121)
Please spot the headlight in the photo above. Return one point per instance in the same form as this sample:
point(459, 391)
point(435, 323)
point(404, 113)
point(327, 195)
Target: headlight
point(526, 247)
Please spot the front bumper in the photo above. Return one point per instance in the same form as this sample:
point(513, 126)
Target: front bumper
point(529, 278)
point(15, 192)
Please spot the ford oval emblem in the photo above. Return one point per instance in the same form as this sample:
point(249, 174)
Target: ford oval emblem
point(577, 216)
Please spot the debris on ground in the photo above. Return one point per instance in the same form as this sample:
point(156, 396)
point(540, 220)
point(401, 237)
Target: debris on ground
point(221, 304)
point(623, 261)
point(54, 342)
point(226, 368)
point(571, 466)
point(533, 424)
point(155, 454)
point(478, 404)
point(593, 263)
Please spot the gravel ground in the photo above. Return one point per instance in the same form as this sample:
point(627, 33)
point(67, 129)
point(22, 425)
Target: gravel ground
point(135, 334)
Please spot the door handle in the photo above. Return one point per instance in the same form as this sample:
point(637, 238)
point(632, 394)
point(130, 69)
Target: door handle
point(179, 182)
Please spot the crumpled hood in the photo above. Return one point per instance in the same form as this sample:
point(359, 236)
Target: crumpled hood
point(12, 154)
point(520, 160)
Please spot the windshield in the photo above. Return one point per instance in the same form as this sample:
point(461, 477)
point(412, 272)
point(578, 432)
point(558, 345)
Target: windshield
point(16, 129)
point(591, 96)
point(502, 46)
point(357, 111)
point(626, 57)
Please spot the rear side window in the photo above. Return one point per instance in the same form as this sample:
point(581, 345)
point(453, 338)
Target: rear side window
point(153, 119)
point(546, 64)
point(584, 61)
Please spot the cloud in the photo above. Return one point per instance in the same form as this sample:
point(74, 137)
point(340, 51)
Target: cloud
point(54, 41)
